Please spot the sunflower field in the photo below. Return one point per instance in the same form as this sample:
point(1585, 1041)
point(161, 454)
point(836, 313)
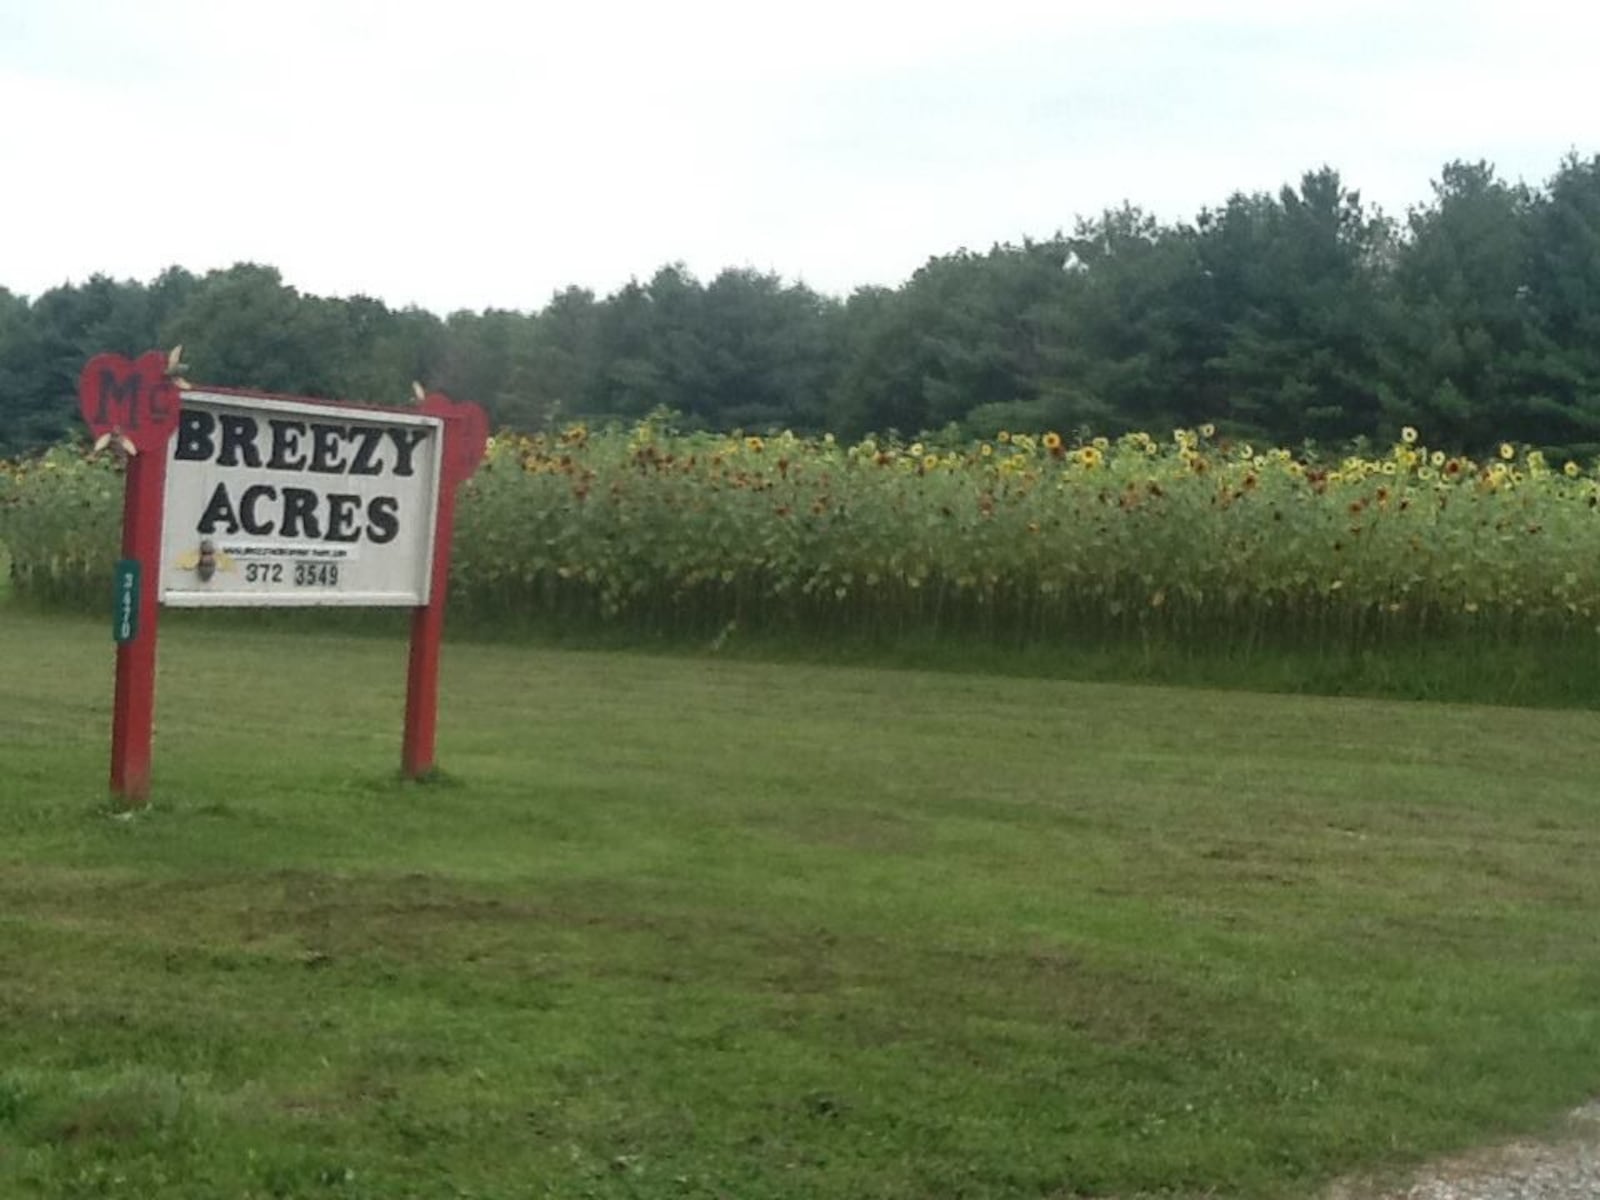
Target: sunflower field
point(1019, 537)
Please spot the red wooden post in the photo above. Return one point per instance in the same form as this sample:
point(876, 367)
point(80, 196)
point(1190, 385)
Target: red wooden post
point(134, 405)
point(133, 711)
point(427, 630)
point(466, 433)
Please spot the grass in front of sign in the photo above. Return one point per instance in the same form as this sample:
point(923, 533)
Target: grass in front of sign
point(695, 928)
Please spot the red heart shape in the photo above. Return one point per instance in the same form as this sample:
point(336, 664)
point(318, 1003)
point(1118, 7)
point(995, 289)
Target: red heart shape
point(466, 434)
point(134, 400)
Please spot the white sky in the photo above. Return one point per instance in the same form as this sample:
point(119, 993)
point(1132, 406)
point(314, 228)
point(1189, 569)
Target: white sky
point(470, 153)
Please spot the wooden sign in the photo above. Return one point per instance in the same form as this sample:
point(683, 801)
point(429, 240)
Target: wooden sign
point(245, 498)
point(278, 502)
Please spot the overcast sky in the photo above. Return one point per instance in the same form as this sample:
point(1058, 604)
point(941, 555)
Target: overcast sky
point(468, 153)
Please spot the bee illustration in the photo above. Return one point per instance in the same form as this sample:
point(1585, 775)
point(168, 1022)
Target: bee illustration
point(205, 561)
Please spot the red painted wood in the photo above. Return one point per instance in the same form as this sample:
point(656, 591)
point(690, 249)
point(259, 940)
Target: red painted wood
point(427, 631)
point(135, 405)
point(466, 434)
point(134, 705)
point(133, 400)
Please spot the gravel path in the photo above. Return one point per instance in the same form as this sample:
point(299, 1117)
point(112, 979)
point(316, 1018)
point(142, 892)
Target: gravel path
point(1567, 1168)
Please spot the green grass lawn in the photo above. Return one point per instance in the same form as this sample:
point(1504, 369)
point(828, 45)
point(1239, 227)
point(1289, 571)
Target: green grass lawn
point(686, 927)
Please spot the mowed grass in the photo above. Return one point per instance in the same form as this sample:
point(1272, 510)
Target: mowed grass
point(686, 927)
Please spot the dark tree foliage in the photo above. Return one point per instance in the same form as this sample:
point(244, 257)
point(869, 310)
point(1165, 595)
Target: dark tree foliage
point(1303, 316)
point(1129, 345)
point(1461, 325)
point(1295, 282)
point(1560, 400)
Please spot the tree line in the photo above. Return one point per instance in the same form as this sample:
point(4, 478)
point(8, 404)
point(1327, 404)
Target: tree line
point(1305, 316)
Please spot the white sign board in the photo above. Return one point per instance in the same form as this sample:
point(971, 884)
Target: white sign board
point(282, 502)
